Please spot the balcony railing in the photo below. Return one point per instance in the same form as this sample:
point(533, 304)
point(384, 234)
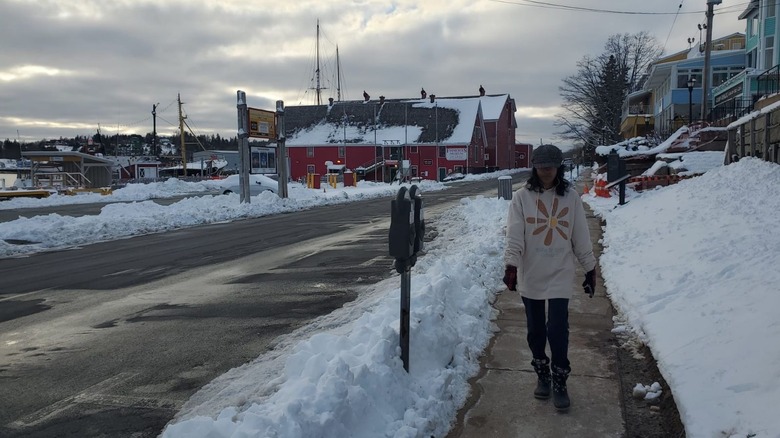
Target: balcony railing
point(637, 110)
point(730, 111)
point(769, 82)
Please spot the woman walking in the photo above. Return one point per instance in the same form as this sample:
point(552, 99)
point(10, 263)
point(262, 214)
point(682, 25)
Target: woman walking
point(546, 231)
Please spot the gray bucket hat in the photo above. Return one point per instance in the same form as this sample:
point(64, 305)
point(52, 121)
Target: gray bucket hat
point(547, 155)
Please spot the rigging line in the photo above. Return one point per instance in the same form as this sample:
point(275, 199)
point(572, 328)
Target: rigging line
point(168, 106)
point(547, 5)
point(163, 119)
point(136, 123)
point(679, 8)
point(194, 135)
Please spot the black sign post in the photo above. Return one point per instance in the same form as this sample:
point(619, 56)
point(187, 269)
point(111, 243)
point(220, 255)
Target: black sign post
point(617, 175)
point(405, 240)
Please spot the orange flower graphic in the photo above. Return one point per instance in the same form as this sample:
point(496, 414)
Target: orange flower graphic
point(550, 222)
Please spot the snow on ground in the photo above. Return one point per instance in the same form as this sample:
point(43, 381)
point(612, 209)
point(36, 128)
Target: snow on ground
point(692, 268)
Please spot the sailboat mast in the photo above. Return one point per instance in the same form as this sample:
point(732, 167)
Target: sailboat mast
point(319, 98)
point(338, 75)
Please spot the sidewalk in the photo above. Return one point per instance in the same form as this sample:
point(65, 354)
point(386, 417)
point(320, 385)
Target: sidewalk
point(502, 404)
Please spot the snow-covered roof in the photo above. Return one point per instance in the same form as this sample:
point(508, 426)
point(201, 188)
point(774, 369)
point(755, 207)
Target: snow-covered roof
point(445, 121)
point(493, 106)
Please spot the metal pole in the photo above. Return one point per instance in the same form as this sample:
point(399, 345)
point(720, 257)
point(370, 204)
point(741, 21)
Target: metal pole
point(243, 145)
point(406, 286)
point(282, 160)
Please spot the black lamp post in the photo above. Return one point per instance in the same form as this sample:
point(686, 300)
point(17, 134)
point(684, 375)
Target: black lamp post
point(691, 84)
point(647, 126)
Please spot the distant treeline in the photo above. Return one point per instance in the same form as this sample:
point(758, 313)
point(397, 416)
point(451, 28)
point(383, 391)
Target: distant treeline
point(121, 144)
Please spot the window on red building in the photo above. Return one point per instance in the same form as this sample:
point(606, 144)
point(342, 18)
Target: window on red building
point(310, 151)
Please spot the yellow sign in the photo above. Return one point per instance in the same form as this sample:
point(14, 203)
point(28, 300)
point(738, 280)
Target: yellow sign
point(262, 123)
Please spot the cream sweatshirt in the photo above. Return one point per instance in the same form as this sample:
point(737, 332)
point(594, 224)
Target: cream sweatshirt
point(544, 234)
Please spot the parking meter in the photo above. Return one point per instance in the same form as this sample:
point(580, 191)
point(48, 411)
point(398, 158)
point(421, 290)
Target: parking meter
point(401, 238)
point(419, 218)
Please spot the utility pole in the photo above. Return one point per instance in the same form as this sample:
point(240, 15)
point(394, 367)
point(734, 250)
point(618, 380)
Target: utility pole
point(243, 145)
point(281, 149)
point(705, 84)
point(181, 142)
point(154, 129)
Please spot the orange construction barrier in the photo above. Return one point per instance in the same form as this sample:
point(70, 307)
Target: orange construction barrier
point(600, 188)
point(586, 190)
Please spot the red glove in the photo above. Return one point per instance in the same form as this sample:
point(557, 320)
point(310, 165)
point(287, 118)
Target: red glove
point(510, 277)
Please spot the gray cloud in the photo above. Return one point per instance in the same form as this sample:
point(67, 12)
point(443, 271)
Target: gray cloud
point(107, 62)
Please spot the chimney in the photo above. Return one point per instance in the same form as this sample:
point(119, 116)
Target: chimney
point(423, 93)
point(366, 97)
point(481, 90)
point(330, 101)
point(433, 98)
point(381, 100)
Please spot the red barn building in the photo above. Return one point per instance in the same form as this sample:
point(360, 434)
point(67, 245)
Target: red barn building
point(435, 136)
point(523, 155)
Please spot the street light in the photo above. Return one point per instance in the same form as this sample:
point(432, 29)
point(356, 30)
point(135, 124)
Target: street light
point(647, 126)
point(691, 84)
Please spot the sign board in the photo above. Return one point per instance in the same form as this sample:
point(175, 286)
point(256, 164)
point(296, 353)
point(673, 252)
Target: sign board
point(731, 93)
point(262, 160)
point(262, 123)
point(616, 167)
point(457, 154)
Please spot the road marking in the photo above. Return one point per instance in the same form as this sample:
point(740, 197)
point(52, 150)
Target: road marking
point(126, 271)
point(55, 408)
point(370, 262)
point(13, 297)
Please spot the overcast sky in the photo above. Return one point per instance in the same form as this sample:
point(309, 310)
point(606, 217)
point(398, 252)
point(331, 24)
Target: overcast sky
point(67, 66)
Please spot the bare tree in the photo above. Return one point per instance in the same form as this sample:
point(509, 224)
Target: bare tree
point(593, 97)
point(634, 53)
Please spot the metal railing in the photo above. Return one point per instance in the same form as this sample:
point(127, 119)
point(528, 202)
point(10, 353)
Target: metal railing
point(639, 109)
point(769, 82)
point(730, 111)
point(371, 164)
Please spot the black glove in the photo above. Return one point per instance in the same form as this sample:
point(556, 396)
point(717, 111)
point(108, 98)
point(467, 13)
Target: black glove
point(589, 285)
point(510, 277)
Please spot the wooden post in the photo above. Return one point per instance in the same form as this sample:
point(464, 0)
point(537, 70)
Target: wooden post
point(767, 124)
point(753, 137)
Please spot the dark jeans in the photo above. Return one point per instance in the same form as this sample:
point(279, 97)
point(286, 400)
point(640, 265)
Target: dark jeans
point(554, 328)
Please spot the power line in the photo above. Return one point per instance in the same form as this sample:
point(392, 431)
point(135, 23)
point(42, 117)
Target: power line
point(679, 8)
point(549, 5)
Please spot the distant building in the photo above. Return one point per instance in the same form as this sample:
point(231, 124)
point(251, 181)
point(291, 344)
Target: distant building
point(435, 136)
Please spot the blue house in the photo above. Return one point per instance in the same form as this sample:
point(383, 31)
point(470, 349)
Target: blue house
point(672, 92)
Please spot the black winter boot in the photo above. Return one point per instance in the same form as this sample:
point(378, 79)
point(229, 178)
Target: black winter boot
point(542, 368)
point(560, 394)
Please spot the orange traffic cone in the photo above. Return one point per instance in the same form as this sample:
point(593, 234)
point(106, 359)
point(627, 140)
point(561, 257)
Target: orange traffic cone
point(586, 190)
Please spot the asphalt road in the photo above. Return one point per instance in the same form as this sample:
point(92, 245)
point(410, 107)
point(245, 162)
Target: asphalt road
point(111, 339)
point(74, 210)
